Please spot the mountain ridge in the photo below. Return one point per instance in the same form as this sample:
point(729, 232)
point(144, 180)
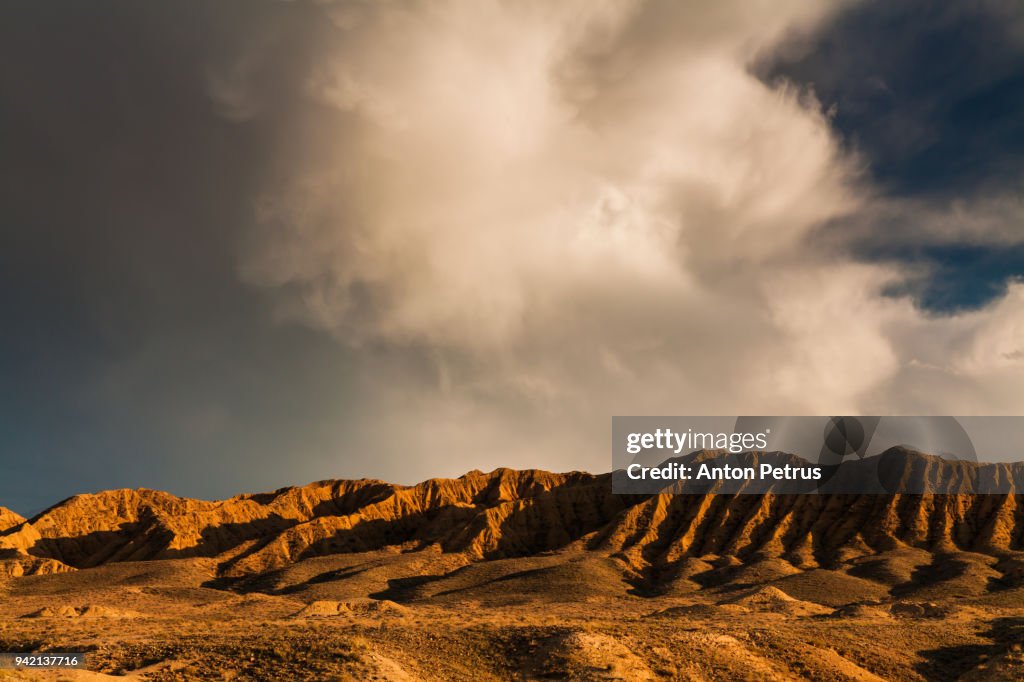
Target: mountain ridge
point(506, 513)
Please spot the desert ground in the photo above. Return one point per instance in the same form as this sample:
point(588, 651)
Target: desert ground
point(517, 576)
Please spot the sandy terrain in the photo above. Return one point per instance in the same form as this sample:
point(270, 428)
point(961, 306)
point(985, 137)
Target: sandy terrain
point(518, 575)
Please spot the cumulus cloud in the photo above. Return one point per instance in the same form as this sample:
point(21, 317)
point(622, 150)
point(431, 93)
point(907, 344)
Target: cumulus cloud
point(524, 218)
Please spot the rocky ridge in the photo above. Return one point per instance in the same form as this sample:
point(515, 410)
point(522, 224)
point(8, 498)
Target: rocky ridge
point(658, 540)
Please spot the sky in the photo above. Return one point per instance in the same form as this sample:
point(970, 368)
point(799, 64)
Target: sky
point(250, 243)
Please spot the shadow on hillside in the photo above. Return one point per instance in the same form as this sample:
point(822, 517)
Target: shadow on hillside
point(421, 529)
point(145, 540)
point(353, 501)
point(130, 542)
point(404, 589)
point(949, 663)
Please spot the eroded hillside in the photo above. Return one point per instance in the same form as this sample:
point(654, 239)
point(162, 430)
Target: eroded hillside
point(522, 575)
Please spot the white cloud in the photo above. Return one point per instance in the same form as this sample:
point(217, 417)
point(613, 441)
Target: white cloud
point(568, 211)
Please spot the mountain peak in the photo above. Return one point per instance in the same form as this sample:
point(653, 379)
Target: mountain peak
point(9, 519)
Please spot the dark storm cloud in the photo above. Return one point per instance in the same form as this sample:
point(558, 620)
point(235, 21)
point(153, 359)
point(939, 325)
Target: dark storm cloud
point(130, 353)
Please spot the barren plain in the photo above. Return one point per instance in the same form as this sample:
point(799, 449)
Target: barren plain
point(517, 575)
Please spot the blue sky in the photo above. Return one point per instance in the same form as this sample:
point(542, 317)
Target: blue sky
point(931, 94)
